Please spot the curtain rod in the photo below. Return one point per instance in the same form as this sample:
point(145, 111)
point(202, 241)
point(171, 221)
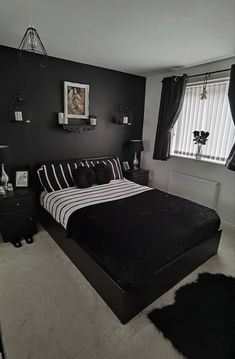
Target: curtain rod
point(205, 73)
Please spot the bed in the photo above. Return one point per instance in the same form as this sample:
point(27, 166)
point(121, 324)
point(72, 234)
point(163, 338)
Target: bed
point(131, 242)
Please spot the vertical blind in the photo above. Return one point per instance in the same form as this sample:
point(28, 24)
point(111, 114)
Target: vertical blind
point(212, 114)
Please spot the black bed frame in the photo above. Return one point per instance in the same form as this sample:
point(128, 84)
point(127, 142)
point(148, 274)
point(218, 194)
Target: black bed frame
point(127, 303)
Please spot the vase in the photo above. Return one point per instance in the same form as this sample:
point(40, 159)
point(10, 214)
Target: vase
point(199, 151)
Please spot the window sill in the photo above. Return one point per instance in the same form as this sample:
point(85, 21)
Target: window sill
point(201, 160)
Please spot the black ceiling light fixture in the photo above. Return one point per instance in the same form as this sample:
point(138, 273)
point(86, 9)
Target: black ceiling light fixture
point(31, 48)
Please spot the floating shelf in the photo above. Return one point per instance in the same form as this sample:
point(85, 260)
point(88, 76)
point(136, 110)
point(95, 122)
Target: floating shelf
point(77, 125)
point(125, 124)
point(78, 128)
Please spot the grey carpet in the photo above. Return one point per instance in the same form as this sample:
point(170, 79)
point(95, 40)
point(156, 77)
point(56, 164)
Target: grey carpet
point(48, 310)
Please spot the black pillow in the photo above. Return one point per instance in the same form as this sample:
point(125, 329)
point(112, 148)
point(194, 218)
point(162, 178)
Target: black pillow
point(84, 177)
point(103, 173)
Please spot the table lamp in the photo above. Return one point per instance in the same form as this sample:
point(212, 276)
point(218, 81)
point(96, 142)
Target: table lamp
point(136, 146)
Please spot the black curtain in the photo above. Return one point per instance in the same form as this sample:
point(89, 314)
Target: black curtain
point(173, 89)
point(230, 163)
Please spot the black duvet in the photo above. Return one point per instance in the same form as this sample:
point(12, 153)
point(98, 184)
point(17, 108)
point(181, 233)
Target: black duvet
point(132, 237)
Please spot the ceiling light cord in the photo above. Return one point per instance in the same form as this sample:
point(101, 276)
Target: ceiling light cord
point(30, 13)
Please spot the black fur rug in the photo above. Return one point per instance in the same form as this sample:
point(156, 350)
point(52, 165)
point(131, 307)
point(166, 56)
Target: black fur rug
point(201, 322)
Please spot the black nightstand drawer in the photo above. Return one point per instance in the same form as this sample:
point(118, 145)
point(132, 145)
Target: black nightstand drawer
point(139, 176)
point(143, 180)
point(15, 204)
point(17, 224)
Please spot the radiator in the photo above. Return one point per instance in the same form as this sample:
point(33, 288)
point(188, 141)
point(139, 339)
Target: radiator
point(196, 189)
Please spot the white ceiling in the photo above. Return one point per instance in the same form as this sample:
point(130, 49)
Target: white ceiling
point(136, 36)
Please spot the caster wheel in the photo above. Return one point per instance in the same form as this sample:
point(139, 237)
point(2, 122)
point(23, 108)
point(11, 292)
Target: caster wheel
point(17, 244)
point(29, 240)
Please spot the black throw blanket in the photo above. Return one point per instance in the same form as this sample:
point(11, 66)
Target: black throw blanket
point(132, 237)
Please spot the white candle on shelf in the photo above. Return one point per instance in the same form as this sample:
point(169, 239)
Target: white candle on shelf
point(18, 116)
point(125, 120)
point(61, 118)
point(93, 121)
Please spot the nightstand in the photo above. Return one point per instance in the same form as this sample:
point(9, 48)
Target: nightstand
point(17, 217)
point(139, 176)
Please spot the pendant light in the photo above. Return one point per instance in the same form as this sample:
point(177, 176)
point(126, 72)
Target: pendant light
point(31, 47)
point(203, 95)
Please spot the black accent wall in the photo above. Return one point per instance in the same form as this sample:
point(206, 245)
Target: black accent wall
point(43, 139)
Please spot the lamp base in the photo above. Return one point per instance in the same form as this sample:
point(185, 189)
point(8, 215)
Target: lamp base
point(135, 162)
point(4, 178)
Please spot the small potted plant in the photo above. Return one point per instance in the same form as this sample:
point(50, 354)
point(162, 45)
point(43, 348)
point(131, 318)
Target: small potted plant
point(200, 138)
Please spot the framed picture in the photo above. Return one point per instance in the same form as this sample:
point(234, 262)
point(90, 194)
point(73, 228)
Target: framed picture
point(22, 179)
point(76, 100)
point(126, 165)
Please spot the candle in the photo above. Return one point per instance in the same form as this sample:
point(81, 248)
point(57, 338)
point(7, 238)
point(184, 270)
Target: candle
point(93, 121)
point(125, 120)
point(18, 116)
point(61, 118)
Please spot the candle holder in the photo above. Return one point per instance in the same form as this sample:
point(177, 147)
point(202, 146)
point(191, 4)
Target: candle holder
point(20, 110)
point(124, 115)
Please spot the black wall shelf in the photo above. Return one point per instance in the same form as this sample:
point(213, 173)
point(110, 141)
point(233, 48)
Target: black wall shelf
point(78, 128)
point(124, 124)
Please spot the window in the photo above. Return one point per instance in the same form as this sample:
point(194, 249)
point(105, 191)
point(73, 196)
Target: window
point(212, 115)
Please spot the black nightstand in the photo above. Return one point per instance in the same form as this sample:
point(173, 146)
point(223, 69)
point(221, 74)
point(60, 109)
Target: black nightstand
point(139, 176)
point(17, 216)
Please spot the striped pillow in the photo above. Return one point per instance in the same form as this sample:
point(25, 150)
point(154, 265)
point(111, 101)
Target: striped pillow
point(114, 163)
point(56, 176)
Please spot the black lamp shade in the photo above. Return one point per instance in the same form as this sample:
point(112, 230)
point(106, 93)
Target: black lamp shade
point(136, 145)
point(5, 154)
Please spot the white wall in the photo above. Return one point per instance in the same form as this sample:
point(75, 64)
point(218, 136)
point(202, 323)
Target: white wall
point(160, 170)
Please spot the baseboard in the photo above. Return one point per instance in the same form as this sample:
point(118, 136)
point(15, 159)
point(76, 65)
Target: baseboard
point(227, 225)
